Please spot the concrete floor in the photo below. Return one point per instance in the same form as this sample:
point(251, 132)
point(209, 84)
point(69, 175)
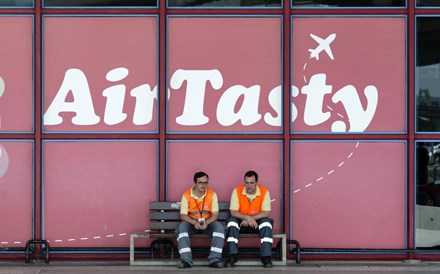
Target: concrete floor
point(306, 267)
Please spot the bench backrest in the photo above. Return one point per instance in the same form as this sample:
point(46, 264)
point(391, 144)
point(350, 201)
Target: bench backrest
point(165, 216)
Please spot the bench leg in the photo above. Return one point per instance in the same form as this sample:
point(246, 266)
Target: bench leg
point(131, 249)
point(281, 250)
point(162, 243)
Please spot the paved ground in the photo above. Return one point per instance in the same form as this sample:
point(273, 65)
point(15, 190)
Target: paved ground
point(306, 267)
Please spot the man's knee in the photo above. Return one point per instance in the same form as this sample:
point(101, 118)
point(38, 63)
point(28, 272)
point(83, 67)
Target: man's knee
point(265, 222)
point(232, 222)
point(181, 228)
point(218, 227)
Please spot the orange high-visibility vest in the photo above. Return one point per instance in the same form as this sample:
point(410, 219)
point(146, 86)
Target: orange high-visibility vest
point(199, 208)
point(250, 208)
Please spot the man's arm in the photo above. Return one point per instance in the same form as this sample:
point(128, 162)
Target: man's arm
point(260, 215)
point(246, 219)
point(214, 210)
point(257, 216)
point(184, 214)
point(186, 218)
point(213, 218)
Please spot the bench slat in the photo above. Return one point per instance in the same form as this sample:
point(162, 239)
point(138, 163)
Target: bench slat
point(223, 206)
point(170, 216)
point(165, 215)
point(163, 225)
point(164, 206)
point(223, 215)
point(174, 206)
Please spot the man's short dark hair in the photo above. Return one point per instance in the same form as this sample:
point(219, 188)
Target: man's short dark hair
point(199, 175)
point(251, 173)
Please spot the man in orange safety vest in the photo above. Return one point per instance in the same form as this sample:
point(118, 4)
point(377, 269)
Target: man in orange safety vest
point(250, 207)
point(199, 213)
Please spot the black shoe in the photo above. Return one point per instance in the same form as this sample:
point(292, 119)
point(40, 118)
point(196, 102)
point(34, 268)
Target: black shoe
point(232, 259)
point(266, 261)
point(216, 265)
point(184, 264)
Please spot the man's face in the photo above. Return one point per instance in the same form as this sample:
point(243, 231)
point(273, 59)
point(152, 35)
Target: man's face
point(202, 183)
point(250, 184)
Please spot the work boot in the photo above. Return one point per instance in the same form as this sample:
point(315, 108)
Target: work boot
point(184, 264)
point(266, 261)
point(232, 259)
point(216, 265)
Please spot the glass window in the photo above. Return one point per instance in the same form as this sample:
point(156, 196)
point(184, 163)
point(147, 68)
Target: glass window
point(224, 3)
point(242, 92)
point(319, 189)
point(428, 74)
point(427, 3)
point(348, 3)
point(427, 194)
point(16, 3)
point(99, 3)
point(71, 63)
point(325, 52)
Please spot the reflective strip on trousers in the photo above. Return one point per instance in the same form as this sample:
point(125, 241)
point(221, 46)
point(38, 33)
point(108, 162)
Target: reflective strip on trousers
point(216, 249)
point(218, 234)
point(181, 235)
point(264, 225)
point(267, 240)
point(233, 224)
point(232, 239)
point(184, 250)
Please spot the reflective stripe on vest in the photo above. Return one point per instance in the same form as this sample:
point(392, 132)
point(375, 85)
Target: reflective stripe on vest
point(255, 206)
point(195, 205)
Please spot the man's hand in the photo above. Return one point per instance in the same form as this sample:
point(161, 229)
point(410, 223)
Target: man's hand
point(201, 225)
point(249, 221)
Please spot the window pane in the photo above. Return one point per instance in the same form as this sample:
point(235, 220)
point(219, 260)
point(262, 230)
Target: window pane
point(70, 65)
point(110, 186)
point(99, 3)
point(428, 74)
point(16, 74)
point(224, 3)
point(425, 3)
point(242, 92)
point(349, 3)
point(342, 62)
point(319, 185)
point(428, 195)
point(16, 3)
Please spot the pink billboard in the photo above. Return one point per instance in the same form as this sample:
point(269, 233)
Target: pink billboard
point(224, 74)
point(97, 192)
point(349, 74)
point(226, 163)
point(348, 194)
point(16, 74)
point(16, 188)
point(100, 73)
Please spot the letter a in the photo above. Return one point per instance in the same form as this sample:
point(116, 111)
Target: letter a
point(82, 105)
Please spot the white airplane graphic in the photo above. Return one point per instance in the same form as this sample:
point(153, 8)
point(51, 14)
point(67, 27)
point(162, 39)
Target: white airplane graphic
point(324, 44)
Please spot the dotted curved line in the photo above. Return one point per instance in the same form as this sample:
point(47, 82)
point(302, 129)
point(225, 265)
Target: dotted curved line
point(5, 243)
point(341, 163)
point(74, 239)
point(94, 238)
point(329, 172)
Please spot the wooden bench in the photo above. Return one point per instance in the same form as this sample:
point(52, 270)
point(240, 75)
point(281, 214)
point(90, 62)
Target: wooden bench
point(164, 219)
